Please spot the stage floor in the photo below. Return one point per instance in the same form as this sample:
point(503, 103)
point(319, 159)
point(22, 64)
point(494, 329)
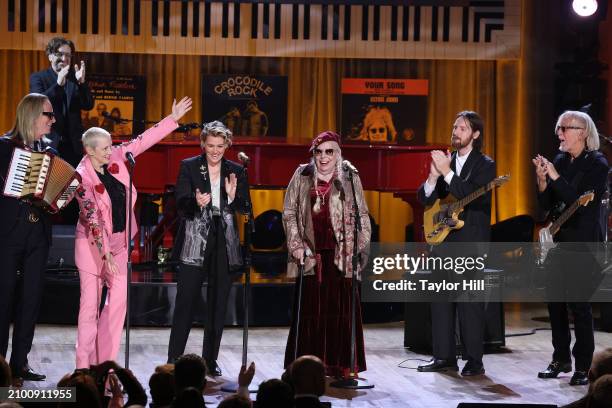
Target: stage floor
point(511, 375)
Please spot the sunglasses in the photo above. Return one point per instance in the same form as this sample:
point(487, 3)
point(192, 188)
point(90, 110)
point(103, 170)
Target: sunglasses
point(564, 128)
point(50, 115)
point(328, 152)
point(377, 130)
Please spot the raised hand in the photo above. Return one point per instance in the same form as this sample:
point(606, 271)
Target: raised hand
point(230, 186)
point(540, 165)
point(116, 391)
point(246, 375)
point(551, 171)
point(79, 73)
point(181, 108)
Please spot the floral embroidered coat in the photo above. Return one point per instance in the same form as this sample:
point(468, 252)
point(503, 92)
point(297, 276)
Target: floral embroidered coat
point(297, 220)
point(95, 225)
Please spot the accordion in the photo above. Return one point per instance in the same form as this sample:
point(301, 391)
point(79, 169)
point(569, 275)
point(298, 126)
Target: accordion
point(43, 178)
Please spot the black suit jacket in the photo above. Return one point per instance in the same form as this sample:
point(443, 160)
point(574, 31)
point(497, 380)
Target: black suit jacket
point(589, 171)
point(11, 208)
point(477, 171)
point(67, 126)
point(193, 174)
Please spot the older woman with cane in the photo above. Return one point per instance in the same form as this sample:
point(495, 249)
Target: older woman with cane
point(319, 224)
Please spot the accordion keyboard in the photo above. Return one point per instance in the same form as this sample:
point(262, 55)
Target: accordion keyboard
point(18, 173)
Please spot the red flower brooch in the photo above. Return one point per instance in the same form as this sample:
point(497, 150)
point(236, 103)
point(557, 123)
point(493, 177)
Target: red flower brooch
point(113, 168)
point(99, 188)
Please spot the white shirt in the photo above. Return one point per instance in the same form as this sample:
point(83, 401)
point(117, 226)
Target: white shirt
point(215, 192)
point(459, 163)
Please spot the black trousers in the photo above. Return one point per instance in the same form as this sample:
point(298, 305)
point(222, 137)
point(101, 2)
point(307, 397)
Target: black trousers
point(572, 274)
point(25, 249)
point(189, 285)
point(583, 329)
point(471, 326)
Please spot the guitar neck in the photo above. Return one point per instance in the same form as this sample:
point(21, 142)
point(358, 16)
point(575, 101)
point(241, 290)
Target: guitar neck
point(472, 196)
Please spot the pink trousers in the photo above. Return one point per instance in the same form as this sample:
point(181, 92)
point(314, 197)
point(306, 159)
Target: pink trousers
point(99, 333)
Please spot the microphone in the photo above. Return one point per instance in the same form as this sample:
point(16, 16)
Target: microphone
point(244, 158)
point(187, 127)
point(348, 167)
point(130, 158)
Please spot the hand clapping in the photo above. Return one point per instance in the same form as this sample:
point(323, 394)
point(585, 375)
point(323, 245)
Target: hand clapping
point(62, 75)
point(544, 168)
point(441, 162)
point(79, 73)
point(202, 198)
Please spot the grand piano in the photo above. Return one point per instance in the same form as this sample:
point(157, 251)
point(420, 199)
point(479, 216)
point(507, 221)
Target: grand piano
point(385, 168)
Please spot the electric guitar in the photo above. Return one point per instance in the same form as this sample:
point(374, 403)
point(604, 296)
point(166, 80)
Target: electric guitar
point(440, 219)
point(546, 234)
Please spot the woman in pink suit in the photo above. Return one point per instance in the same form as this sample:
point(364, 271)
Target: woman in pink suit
point(101, 239)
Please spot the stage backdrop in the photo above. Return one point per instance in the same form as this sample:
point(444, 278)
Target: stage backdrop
point(116, 97)
point(512, 95)
point(381, 110)
point(249, 105)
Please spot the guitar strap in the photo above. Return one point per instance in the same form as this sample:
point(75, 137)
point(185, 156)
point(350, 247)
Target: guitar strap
point(560, 206)
point(467, 176)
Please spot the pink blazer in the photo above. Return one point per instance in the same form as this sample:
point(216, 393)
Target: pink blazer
point(95, 218)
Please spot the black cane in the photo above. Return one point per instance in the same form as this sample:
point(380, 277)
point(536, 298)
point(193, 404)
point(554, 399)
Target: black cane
point(353, 382)
point(131, 163)
point(298, 311)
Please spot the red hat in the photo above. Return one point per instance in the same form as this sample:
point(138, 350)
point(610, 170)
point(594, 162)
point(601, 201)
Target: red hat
point(327, 136)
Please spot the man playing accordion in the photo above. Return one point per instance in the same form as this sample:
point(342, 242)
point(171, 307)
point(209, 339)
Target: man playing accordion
point(25, 236)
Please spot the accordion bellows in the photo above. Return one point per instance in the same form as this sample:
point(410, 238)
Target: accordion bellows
point(41, 177)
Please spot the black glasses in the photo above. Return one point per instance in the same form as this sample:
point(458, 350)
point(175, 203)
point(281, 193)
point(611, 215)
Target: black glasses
point(50, 115)
point(328, 152)
point(564, 128)
point(61, 55)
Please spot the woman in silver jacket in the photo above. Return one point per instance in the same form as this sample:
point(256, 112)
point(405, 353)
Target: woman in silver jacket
point(319, 223)
point(209, 191)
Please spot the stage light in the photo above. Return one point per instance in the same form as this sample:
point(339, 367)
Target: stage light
point(584, 8)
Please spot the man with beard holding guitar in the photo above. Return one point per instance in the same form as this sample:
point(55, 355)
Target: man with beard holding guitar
point(578, 168)
point(459, 174)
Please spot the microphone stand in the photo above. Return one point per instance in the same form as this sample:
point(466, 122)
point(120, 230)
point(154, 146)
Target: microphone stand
point(249, 228)
point(131, 164)
point(353, 381)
